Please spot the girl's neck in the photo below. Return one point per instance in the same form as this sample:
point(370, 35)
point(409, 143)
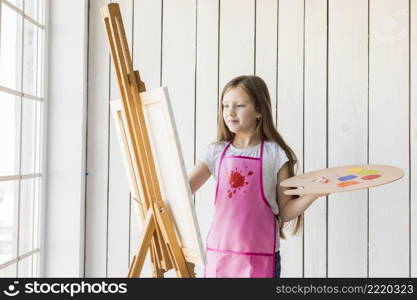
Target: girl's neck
point(245, 141)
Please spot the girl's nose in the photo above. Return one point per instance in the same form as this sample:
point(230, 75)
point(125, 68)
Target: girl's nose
point(232, 113)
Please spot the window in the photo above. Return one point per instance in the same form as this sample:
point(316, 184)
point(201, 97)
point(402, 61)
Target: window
point(22, 34)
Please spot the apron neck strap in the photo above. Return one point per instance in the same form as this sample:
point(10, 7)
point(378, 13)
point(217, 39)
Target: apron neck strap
point(262, 149)
point(225, 149)
point(228, 145)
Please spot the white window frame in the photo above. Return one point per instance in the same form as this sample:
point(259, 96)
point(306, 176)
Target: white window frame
point(36, 271)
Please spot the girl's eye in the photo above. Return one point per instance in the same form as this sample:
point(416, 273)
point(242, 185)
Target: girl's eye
point(241, 105)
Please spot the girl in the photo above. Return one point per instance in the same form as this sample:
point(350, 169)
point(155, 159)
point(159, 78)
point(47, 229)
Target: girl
point(248, 161)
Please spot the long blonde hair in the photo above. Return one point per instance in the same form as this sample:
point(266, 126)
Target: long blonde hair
point(257, 90)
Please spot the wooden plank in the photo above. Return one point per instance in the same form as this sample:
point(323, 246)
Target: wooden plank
point(118, 259)
point(237, 25)
point(146, 53)
point(206, 106)
point(315, 146)
point(290, 106)
point(389, 136)
point(146, 57)
point(178, 57)
point(97, 145)
point(347, 88)
point(266, 46)
point(413, 141)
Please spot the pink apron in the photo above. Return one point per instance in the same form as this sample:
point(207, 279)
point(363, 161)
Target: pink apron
point(241, 241)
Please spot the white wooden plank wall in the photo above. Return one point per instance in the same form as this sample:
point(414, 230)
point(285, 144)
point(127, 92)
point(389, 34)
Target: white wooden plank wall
point(338, 97)
point(97, 146)
point(347, 134)
point(413, 139)
point(178, 70)
point(389, 220)
point(266, 38)
point(146, 31)
point(315, 116)
point(207, 89)
point(290, 108)
point(118, 189)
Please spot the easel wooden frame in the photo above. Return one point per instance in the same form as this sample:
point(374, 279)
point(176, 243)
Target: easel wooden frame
point(158, 233)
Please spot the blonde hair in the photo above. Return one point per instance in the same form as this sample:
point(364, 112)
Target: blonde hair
point(257, 90)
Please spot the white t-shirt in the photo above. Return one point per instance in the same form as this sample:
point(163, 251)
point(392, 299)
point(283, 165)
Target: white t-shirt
point(274, 158)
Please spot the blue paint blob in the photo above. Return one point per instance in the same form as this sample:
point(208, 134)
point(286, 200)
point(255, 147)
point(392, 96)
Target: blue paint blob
point(347, 177)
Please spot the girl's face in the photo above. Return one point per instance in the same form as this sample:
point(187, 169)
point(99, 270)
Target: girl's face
point(239, 113)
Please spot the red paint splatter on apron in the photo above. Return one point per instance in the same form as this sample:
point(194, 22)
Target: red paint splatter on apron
point(236, 182)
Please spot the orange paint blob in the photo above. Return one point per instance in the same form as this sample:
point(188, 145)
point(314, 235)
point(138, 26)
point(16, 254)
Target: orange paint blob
point(347, 183)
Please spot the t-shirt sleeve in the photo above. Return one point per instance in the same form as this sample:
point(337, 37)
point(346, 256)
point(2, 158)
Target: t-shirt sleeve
point(282, 158)
point(206, 156)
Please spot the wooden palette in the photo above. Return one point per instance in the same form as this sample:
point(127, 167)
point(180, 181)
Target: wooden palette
point(342, 179)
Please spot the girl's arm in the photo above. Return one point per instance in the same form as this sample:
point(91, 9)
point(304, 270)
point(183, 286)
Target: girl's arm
point(198, 176)
point(290, 206)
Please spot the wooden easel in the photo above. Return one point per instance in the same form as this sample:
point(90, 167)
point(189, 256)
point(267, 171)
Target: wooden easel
point(158, 233)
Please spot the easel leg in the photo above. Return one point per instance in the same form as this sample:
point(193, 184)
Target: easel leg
point(157, 269)
point(190, 267)
point(138, 260)
point(171, 241)
point(157, 255)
